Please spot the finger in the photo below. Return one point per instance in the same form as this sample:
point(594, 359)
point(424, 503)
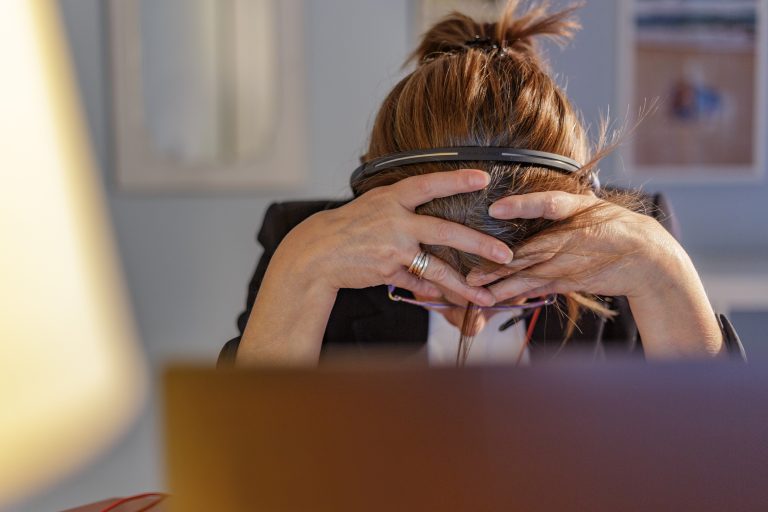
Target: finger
point(477, 277)
point(559, 274)
point(416, 190)
point(552, 205)
point(533, 253)
point(517, 286)
point(434, 231)
point(408, 281)
point(441, 273)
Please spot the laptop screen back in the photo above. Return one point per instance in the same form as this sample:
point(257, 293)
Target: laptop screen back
point(624, 437)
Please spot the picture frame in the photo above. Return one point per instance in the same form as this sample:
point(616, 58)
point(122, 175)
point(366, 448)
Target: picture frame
point(693, 76)
point(219, 110)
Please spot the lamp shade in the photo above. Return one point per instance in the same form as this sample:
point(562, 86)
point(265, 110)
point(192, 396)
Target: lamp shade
point(71, 373)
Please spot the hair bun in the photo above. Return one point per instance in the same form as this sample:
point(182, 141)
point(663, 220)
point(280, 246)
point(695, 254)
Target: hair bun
point(513, 33)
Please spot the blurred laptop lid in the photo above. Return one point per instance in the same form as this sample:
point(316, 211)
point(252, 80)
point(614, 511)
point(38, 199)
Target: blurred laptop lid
point(560, 437)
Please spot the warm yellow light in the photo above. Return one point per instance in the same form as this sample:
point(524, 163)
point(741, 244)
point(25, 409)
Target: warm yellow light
point(70, 372)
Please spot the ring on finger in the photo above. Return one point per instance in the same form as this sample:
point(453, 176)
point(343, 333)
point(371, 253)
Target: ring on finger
point(419, 264)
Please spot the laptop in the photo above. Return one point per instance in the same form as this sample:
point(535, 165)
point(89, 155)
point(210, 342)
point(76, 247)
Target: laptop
point(621, 437)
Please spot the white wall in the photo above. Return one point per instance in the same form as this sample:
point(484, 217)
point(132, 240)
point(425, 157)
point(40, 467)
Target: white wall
point(188, 259)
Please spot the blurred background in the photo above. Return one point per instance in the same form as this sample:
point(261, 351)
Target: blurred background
point(185, 206)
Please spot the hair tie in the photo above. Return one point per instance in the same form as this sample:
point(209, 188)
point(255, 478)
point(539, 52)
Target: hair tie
point(483, 43)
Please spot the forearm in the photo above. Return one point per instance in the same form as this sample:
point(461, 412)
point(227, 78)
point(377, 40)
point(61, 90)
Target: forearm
point(674, 316)
point(289, 316)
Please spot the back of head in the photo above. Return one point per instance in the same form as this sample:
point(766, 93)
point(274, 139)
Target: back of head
point(486, 84)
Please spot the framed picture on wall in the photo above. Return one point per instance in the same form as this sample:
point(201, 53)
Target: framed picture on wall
point(701, 67)
point(208, 95)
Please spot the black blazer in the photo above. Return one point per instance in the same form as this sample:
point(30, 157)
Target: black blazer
point(366, 318)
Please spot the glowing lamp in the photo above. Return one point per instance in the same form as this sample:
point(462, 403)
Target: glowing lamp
point(71, 375)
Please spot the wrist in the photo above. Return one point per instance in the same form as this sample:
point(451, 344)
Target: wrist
point(664, 268)
point(302, 262)
point(672, 310)
point(299, 273)
point(669, 302)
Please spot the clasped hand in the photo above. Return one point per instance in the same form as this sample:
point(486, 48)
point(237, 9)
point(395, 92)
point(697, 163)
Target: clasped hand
point(373, 239)
point(615, 252)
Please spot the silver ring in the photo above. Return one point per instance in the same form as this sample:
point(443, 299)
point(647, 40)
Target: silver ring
point(419, 264)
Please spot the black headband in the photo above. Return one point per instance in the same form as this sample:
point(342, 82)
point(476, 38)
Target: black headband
point(468, 153)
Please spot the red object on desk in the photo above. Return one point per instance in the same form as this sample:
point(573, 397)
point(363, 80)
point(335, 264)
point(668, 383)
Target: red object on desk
point(138, 503)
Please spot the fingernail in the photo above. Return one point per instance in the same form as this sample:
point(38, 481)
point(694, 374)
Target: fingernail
point(485, 298)
point(480, 180)
point(499, 211)
point(502, 254)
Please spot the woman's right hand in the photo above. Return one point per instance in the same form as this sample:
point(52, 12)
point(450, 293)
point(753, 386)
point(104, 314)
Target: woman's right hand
point(369, 241)
point(373, 239)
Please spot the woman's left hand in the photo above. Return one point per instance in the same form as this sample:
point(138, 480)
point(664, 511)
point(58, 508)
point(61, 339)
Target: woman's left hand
point(622, 253)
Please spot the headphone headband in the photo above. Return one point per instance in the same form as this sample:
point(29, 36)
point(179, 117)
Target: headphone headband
point(468, 153)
